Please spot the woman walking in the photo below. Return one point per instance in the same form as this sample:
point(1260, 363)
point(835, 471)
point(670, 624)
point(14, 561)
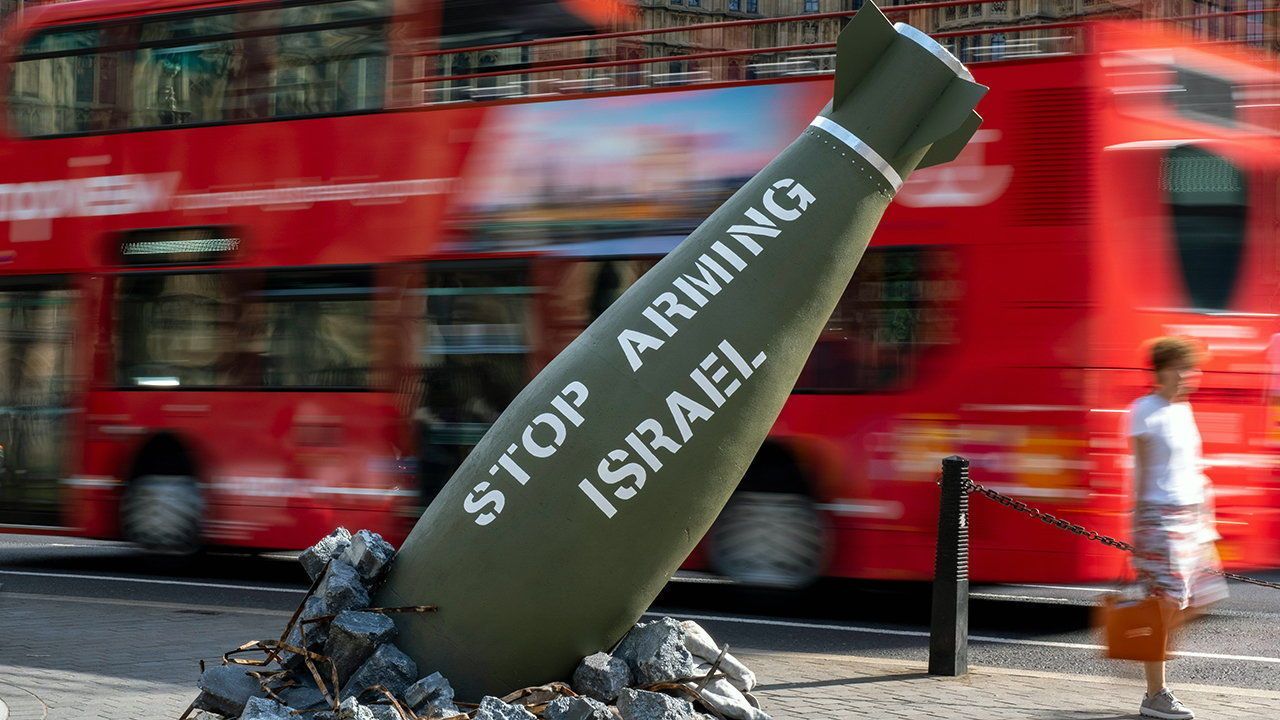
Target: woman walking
point(1174, 527)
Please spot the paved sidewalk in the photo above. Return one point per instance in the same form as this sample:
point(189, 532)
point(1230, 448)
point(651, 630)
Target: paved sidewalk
point(840, 686)
point(64, 658)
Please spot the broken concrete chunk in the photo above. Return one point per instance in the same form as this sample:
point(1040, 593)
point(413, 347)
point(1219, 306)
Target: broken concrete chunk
point(601, 676)
point(656, 653)
point(384, 712)
point(644, 705)
point(352, 710)
point(302, 697)
point(353, 636)
point(261, 708)
point(388, 667)
point(491, 708)
point(369, 554)
point(341, 589)
point(317, 633)
point(577, 708)
point(225, 689)
point(330, 546)
point(431, 697)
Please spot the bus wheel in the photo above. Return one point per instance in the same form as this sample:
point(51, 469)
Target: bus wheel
point(769, 539)
point(162, 513)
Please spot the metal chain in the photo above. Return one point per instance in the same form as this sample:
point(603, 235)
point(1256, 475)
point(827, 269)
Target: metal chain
point(1049, 519)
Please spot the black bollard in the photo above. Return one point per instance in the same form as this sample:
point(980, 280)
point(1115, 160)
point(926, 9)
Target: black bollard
point(949, 626)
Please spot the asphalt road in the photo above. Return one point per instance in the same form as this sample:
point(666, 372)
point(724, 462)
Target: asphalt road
point(1033, 627)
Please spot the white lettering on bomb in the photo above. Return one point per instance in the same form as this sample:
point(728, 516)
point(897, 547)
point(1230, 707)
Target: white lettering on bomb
point(626, 477)
point(481, 498)
point(486, 504)
point(552, 421)
point(668, 309)
point(622, 473)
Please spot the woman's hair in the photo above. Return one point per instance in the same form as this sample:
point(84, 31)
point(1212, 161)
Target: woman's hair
point(1171, 350)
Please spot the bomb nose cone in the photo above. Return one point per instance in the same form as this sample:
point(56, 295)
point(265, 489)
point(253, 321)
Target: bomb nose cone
point(903, 95)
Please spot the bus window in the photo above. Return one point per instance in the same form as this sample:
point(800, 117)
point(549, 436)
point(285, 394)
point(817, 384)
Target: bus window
point(475, 346)
point(324, 69)
point(297, 330)
point(317, 329)
point(892, 309)
point(192, 69)
point(582, 291)
point(178, 331)
point(1204, 96)
point(68, 82)
point(1207, 198)
point(36, 333)
point(473, 360)
point(589, 287)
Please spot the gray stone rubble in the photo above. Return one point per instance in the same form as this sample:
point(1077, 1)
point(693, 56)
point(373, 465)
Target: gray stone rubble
point(369, 554)
point(652, 674)
point(491, 708)
point(387, 667)
point(265, 709)
point(353, 637)
point(313, 559)
point(431, 697)
point(342, 589)
point(225, 689)
point(645, 705)
point(655, 652)
point(578, 708)
point(601, 676)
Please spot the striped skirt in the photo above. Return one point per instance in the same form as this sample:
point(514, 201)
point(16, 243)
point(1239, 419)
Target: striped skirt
point(1172, 557)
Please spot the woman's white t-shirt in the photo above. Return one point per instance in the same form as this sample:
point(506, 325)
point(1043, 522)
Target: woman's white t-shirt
point(1173, 467)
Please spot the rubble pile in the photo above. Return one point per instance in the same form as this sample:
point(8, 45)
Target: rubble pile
point(337, 660)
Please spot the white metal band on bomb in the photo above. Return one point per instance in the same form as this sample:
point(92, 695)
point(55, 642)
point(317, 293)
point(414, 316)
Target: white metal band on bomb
point(865, 151)
point(923, 40)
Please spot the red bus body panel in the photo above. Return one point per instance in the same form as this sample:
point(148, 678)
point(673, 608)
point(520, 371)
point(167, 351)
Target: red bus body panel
point(1051, 260)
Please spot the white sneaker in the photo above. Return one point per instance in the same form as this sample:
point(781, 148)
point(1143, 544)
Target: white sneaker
point(1165, 706)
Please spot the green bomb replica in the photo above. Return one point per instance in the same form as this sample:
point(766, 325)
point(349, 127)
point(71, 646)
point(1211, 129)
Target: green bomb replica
point(571, 514)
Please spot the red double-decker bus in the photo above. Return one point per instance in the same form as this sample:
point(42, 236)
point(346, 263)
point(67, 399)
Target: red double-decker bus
point(270, 267)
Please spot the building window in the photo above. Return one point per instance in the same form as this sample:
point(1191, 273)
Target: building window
point(695, 3)
point(810, 6)
point(735, 5)
point(997, 46)
point(753, 6)
point(677, 2)
point(1254, 22)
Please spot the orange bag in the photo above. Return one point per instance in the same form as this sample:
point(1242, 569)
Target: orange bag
point(1134, 629)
